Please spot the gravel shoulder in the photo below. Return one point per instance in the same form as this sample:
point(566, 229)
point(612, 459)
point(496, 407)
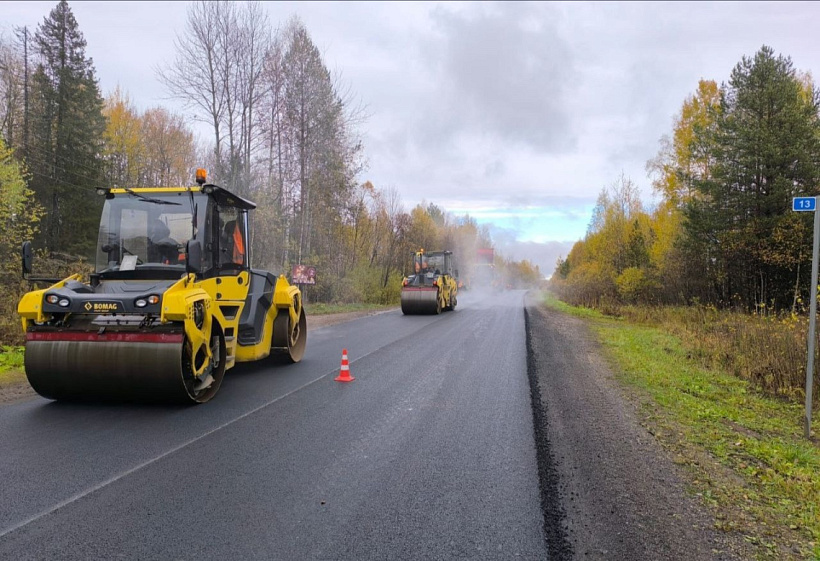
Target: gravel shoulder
point(609, 491)
point(17, 390)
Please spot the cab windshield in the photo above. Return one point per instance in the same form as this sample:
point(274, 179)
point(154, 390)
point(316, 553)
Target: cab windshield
point(435, 263)
point(140, 230)
point(429, 264)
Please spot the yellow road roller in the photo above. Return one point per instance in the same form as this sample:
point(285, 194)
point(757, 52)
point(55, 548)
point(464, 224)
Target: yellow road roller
point(173, 303)
point(432, 287)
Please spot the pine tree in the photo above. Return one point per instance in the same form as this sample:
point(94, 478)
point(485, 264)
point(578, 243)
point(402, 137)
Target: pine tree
point(65, 156)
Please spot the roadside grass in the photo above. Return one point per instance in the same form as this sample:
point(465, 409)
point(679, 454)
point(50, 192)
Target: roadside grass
point(553, 302)
point(320, 308)
point(11, 365)
point(767, 347)
point(744, 451)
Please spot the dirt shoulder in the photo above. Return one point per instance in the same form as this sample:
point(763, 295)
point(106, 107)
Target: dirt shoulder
point(607, 485)
point(14, 387)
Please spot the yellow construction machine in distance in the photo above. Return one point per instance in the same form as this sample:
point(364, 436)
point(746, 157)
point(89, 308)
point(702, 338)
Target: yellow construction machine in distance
point(432, 286)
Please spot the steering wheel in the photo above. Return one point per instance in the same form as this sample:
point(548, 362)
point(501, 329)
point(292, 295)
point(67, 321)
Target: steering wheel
point(108, 248)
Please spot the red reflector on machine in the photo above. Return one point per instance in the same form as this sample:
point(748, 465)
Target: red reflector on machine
point(113, 337)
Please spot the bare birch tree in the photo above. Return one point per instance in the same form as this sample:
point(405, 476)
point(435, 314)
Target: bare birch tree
point(11, 92)
point(276, 153)
point(224, 44)
point(195, 74)
point(281, 131)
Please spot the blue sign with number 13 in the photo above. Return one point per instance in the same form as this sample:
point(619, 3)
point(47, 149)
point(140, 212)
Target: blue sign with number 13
point(804, 203)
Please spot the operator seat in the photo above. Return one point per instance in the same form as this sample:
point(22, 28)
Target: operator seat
point(161, 248)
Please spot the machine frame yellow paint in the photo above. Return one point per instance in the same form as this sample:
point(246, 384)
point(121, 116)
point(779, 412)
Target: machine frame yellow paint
point(179, 301)
point(30, 307)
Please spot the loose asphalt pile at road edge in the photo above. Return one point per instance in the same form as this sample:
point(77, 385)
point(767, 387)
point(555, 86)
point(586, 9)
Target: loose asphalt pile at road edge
point(548, 478)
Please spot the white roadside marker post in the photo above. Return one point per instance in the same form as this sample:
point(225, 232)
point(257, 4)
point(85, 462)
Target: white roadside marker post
point(809, 204)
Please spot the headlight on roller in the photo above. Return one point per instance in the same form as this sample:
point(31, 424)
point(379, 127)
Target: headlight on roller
point(52, 298)
point(64, 302)
point(142, 302)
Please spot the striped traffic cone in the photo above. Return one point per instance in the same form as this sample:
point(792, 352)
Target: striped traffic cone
point(344, 373)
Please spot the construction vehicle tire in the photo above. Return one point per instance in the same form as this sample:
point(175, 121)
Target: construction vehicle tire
point(289, 341)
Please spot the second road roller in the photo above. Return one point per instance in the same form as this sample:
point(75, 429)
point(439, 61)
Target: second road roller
point(433, 286)
point(173, 303)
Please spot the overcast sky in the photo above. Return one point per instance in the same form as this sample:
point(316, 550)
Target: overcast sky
point(516, 113)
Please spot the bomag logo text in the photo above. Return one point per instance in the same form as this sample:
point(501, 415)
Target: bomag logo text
point(102, 306)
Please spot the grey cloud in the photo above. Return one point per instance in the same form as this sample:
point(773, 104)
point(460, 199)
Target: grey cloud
point(494, 169)
point(502, 72)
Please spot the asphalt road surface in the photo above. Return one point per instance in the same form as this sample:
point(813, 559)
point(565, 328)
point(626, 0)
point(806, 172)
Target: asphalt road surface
point(428, 454)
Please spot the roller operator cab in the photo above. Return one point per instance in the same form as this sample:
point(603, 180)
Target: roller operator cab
point(173, 303)
point(432, 286)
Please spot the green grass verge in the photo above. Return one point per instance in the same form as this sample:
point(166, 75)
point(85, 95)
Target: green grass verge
point(553, 302)
point(11, 358)
point(745, 452)
point(11, 365)
point(319, 308)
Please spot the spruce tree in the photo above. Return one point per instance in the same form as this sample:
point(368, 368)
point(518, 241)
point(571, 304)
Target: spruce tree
point(65, 156)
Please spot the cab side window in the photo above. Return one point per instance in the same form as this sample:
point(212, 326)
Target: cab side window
point(231, 237)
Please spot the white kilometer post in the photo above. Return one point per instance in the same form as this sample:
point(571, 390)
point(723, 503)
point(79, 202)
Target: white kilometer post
point(809, 204)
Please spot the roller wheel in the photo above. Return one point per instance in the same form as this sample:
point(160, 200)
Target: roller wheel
point(203, 388)
point(290, 340)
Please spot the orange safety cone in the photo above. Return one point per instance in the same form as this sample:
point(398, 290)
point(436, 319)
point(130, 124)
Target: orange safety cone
point(344, 373)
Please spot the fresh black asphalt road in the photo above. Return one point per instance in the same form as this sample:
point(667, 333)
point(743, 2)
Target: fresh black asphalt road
point(428, 454)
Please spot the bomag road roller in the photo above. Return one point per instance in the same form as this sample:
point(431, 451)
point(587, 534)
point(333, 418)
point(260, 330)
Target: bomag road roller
point(433, 286)
point(173, 304)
